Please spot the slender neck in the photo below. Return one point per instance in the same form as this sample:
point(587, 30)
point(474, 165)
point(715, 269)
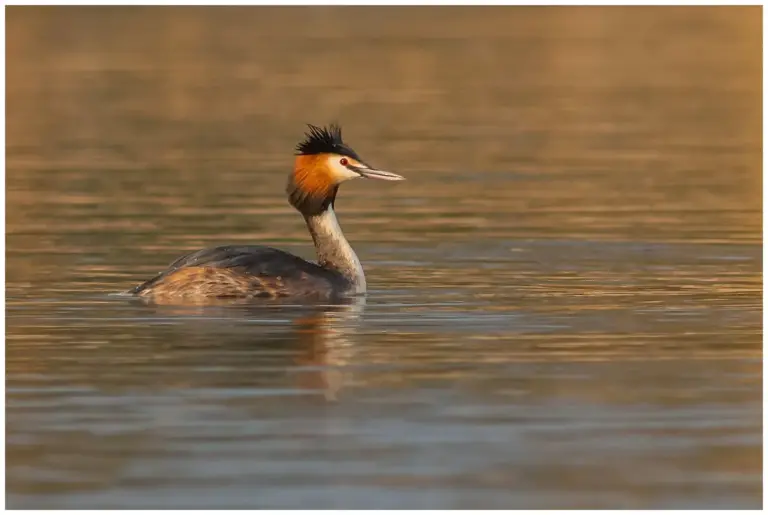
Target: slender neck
point(333, 249)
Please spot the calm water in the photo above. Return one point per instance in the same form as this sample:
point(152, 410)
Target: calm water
point(565, 297)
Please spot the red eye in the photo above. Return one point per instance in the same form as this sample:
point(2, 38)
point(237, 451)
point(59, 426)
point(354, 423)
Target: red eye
point(344, 161)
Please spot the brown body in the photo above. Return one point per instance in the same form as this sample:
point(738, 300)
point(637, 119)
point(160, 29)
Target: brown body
point(207, 282)
point(241, 272)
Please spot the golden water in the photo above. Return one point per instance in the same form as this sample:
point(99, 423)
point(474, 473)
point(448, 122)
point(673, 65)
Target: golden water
point(565, 296)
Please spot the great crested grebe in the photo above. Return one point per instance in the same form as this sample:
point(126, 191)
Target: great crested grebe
point(323, 162)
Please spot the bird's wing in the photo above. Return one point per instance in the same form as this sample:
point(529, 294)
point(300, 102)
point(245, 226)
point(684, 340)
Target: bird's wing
point(254, 260)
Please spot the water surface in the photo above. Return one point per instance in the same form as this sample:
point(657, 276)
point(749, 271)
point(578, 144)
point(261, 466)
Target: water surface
point(564, 306)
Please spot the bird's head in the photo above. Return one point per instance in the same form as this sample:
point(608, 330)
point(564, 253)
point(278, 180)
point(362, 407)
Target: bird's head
point(323, 162)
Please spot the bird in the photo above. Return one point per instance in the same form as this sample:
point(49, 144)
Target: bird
point(323, 161)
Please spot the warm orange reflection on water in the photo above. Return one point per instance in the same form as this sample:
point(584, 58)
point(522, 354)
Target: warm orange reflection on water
point(565, 295)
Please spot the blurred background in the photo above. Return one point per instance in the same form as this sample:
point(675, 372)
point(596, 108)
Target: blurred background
point(565, 296)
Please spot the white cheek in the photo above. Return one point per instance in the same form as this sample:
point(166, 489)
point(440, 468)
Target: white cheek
point(340, 172)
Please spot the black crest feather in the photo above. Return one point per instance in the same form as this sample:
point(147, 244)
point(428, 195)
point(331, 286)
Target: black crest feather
point(322, 140)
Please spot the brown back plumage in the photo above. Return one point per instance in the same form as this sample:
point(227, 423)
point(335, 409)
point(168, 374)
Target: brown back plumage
point(240, 272)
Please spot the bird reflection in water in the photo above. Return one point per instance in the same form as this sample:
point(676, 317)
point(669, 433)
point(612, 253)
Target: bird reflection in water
point(310, 346)
point(327, 340)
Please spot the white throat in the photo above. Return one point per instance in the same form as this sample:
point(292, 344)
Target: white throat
point(333, 249)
